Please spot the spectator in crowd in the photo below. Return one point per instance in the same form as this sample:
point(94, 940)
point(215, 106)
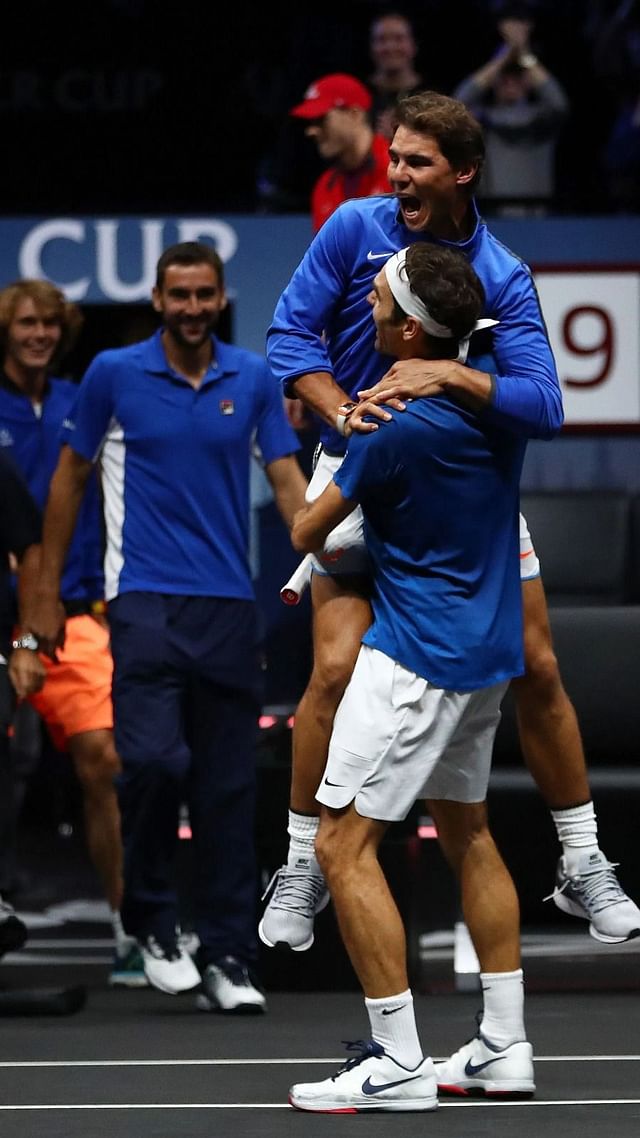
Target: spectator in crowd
point(522, 108)
point(19, 538)
point(174, 419)
point(335, 110)
point(37, 327)
point(393, 48)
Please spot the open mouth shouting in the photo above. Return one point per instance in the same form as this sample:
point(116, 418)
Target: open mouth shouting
point(414, 212)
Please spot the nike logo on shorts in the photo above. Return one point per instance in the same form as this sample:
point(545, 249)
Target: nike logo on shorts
point(369, 1088)
point(338, 784)
point(371, 256)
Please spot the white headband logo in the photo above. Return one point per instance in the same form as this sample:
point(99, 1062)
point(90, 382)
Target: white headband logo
point(398, 280)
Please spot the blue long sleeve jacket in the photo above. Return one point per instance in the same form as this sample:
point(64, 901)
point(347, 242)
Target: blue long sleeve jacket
point(323, 321)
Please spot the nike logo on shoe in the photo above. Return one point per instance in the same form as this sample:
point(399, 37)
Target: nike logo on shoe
point(472, 1069)
point(392, 1011)
point(371, 256)
point(369, 1088)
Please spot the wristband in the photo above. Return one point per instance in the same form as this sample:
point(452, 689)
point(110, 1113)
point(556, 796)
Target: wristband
point(98, 608)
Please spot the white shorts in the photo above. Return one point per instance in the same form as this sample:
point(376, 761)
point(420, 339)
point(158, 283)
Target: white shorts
point(397, 738)
point(345, 550)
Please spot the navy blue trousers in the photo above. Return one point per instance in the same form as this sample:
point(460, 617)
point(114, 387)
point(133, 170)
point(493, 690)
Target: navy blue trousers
point(187, 696)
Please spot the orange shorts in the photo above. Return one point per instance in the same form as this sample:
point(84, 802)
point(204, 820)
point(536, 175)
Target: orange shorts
point(76, 696)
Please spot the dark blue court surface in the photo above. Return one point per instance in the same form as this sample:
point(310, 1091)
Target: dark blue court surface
point(137, 1064)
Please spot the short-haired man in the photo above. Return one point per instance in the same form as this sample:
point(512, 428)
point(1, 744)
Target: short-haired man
point(321, 347)
point(173, 420)
point(335, 110)
point(38, 326)
point(439, 493)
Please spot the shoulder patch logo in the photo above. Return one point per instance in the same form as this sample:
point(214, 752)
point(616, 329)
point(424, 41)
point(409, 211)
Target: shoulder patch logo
point(227, 407)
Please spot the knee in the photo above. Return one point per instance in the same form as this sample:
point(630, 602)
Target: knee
point(97, 766)
point(542, 674)
point(329, 680)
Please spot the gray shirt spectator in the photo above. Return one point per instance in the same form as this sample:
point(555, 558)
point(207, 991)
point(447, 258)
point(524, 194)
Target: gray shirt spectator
point(522, 108)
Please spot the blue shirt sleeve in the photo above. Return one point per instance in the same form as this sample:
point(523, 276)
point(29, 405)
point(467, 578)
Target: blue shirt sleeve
point(295, 345)
point(527, 399)
point(88, 422)
point(369, 463)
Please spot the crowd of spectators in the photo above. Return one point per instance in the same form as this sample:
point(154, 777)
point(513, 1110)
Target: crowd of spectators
point(551, 83)
point(124, 103)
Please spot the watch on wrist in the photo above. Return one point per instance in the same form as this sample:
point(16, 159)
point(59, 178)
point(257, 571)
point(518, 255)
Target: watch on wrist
point(27, 640)
point(527, 60)
point(342, 415)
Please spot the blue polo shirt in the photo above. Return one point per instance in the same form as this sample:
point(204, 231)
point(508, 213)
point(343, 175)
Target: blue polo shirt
point(175, 465)
point(33, 439)
point(439, 492)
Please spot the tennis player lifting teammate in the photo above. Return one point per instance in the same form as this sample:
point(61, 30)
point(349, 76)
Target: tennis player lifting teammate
point(321, 346)
point(420, 712)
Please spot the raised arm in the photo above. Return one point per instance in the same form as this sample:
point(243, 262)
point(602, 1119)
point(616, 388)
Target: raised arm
point(515, 384)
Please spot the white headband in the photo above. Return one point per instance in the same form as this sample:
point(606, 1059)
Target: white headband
point(398, 281)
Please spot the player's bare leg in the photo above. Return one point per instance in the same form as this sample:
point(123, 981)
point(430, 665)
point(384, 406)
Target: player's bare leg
point(586, 884)
point(341, 614)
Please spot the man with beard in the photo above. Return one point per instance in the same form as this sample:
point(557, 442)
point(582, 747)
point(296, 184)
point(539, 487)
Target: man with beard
point(173, 420)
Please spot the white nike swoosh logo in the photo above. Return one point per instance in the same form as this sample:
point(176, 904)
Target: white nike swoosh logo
point(377, 256)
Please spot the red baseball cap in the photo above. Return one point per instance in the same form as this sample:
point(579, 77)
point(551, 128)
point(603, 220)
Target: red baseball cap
point(332, 91)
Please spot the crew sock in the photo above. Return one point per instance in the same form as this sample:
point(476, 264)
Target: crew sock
point(503, 1007)
point(393, 1025)
point(577, 831)
point(302, 831)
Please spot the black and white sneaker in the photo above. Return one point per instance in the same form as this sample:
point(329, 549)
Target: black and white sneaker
point(168, 967)
point(13, 931)
point(227, 986)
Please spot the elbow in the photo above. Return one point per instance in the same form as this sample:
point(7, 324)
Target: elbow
point(553, 422)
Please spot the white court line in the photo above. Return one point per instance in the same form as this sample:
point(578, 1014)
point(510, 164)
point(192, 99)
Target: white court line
point(274, 1062)
point(468, 1104)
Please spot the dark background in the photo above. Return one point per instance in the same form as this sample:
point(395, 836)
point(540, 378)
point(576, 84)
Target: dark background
point(123, 106)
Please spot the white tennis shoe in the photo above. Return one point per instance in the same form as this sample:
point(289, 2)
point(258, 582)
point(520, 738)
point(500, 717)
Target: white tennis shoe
point(372, 1080)
point(479, 1067)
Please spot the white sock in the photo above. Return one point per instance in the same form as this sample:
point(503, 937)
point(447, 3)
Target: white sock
point(503, 1007)
point(577, 830)
point(393, 1025)
point(302, 830)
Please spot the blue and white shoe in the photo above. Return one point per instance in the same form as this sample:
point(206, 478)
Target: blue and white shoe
point(481, 1068)
point(372, 1080)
